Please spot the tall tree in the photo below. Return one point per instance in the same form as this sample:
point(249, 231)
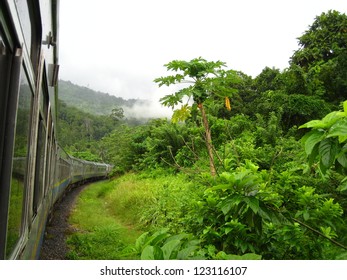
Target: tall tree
point(325, 39)
point(206, 79)
point(323, 57)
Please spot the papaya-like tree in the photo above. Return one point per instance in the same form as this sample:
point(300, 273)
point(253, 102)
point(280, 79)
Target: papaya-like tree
point(205, 79)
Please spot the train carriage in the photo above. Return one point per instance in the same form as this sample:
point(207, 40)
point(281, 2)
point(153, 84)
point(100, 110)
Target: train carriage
point(34, 170)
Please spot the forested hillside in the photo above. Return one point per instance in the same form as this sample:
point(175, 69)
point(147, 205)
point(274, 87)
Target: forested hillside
point(86, 116)
point(90, 101)
point(79, 132)
point(264, 159)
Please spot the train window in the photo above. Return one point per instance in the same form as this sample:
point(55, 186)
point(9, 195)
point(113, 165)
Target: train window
point(19, 164)
point(30, 22)
point(39, 169)
point(24, 16)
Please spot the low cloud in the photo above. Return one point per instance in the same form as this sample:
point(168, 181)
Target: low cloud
point(147, 109)
point(150, 106)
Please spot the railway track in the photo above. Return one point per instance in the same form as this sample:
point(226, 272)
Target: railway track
point(54, 245)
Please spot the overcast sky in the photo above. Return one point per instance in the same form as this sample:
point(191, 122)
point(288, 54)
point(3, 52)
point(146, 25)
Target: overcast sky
point(119, 47)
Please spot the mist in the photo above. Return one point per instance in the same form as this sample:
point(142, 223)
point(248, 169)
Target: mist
point(147, 109)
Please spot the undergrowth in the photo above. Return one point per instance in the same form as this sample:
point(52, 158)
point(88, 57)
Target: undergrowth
point(99, 234)
point(109, 216)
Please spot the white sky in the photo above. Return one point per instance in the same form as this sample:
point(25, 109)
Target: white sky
point(120, 46)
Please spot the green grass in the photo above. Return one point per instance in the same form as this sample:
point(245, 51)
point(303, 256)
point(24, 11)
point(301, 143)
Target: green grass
point(110, 215)
point(100, 234)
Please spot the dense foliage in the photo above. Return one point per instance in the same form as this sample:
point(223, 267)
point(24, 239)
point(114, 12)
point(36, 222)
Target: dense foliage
point(280, 191)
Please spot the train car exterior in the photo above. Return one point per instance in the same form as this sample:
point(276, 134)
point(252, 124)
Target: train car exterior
point(34, 170)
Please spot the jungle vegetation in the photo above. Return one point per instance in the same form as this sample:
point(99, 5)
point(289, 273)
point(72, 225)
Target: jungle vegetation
point(260, 162)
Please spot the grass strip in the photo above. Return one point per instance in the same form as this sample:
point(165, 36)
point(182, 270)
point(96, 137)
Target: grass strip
point(99, 233)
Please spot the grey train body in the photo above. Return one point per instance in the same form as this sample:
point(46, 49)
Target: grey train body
point(34, 170)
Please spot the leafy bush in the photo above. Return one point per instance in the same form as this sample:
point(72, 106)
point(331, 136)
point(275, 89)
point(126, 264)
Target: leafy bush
point(163, 246)
point(325, 144)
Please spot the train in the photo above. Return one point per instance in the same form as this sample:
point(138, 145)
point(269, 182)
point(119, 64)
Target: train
point(34, 170)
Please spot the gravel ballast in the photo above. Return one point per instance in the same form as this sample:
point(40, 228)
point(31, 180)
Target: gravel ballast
point(54, 244)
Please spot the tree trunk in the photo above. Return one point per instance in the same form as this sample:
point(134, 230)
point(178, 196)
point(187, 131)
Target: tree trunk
point(208, 139)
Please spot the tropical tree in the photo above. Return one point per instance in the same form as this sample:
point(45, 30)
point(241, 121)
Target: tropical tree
point(322, 57)
point(117, 114)
point(268, 79)
point(206, 79)
point(325, 39)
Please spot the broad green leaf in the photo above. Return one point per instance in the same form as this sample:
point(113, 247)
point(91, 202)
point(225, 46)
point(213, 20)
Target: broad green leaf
point(345, 107)
point(152, 253)
point(178, 237)
point(342, 159)
point(314, 124)
point(306, 215)
point(169, 247)
point(226, 206)
point(249, 183)
point(229, 177)
point(227, 230)
point(157, 237)
point(266, 214)
point(141, 241)
point(147, 253)
point(186, 252)
point(327, 151)
point(342, 138)
point(339, 129)
point(250, 165)
point(231, 201)
point(326, 122)
point(332, 118)
point(253, 203)
point(312, 157)
point(313, 138)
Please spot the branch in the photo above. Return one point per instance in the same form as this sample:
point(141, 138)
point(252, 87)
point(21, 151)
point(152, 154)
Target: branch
point(172, 156)
point(320, 234)
point(182, 169)
point(191, 148)
point(217, 155)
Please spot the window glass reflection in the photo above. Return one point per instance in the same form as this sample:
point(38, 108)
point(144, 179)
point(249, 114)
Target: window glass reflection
point(19, 164)
point(24, 17)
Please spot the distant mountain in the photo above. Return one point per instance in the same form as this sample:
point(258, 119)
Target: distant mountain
point(93, 102)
